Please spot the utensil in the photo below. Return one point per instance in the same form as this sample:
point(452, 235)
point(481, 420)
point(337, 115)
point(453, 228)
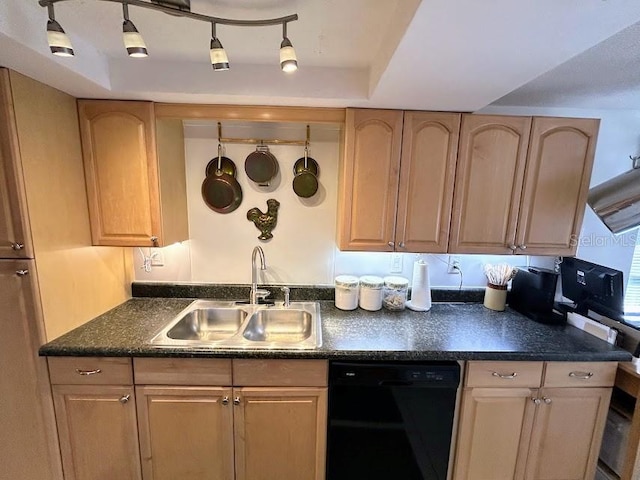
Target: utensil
point(500, 274)
point(261, 166)
point(306, 170)
point(220, 190)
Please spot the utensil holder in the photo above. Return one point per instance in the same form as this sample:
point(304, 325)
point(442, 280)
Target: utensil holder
point(495, 297)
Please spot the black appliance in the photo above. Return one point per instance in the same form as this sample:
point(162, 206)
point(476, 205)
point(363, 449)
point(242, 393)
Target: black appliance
point(532, 294)
point(390, 420)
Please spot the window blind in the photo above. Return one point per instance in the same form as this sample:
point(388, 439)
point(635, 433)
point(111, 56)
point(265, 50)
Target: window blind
point(632, 295)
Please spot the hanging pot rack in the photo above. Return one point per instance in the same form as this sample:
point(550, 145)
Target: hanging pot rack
point(263, 141)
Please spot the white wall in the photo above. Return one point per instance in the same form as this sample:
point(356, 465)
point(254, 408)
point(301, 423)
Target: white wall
point(618, 138)
point(303, 250)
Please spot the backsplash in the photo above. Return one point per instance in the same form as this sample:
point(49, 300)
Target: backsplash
point(303, 249)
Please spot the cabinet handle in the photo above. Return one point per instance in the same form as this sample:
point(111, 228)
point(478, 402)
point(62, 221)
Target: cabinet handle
point(581, 375)
point(506, 376)
point(522, 247)
point(535, 400)
point(513, 248)
point(401, 245)
point(17, 246)
point(225, 401)
point(124, 399)
point(391, 244)
point(88, 372)
point(154, 240)
point(236, 401)
point(22, 273)
point(546, 400)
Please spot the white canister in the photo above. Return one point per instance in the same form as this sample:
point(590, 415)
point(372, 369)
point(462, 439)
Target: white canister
point(371, 292)
point(346, 292)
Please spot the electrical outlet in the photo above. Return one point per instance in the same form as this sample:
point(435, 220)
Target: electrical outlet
point(396, 263)
point(157, 257)
point(453, 264)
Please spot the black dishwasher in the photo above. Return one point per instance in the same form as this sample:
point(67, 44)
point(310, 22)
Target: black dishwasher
point(390, 420)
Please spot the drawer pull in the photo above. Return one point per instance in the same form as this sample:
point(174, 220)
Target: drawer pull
point(225, 400)
point(581, 375)
point(88, 372)
point(236, 401)
point(506, 376)
point(124, 399)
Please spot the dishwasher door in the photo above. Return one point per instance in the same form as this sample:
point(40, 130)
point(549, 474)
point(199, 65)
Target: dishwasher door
point(390, 420)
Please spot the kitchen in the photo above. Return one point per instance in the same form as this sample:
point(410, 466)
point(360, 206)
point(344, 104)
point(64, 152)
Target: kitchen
point(205, 264)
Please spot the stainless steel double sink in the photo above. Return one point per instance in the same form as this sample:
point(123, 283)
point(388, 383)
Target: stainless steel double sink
point(220, 324)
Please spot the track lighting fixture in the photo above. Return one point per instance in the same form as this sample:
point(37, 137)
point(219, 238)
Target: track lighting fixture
point(219, 59)
point(288, 59)
point(133, 41)
point(60, 44)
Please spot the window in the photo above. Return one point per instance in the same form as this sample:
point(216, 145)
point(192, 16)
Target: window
point(632, 295)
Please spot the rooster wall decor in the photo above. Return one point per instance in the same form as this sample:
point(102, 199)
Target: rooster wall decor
point(265, 222)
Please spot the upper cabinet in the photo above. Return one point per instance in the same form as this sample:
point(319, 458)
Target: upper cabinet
point(491, 166)
point(15, 236)
point(514, 199)
point(397, 180)
point(135, 172)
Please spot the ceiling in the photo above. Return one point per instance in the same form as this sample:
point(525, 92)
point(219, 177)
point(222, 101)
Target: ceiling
point(459, 55)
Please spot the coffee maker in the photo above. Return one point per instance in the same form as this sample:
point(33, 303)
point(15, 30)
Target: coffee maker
point(532, 293)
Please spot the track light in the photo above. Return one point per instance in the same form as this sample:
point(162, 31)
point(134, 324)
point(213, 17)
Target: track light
point(288, 59)
point(219, 59)
point(133, 41)
point(59, 42)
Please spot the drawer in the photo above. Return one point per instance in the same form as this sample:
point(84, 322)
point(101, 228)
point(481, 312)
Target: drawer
point(580, 374)
point(90, 371)
point(182, 371)
point(280, 373)
point(504, 374)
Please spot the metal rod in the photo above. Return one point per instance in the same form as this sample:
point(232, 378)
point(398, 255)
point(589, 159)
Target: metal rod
point(219, 131)
point(195, 16)
point(52, 14)
point(255, 141)
point(125, 11)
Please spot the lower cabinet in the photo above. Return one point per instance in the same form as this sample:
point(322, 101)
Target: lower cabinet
point(533, 421)
point(195, 419)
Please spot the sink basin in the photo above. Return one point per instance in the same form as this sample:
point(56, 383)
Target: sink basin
point(218, 324)
point(280, 326)
point(208, 324)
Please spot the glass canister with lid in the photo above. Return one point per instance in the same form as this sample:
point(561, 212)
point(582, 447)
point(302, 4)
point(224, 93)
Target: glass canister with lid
point(394, 295)
point(346, 292)
point(371, 292)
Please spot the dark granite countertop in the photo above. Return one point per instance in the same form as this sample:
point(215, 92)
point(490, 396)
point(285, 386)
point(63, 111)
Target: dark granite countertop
point(449, 331)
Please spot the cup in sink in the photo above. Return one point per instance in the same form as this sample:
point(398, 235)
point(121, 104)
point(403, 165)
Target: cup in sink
point(227, 325)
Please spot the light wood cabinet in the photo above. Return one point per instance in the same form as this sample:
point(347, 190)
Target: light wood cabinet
point(98, 431)
point(556, 185)
point(535, 433)
point(489, 176)
point(186, 432)
point(521, 184)
point(15, 235)
point(135, 174)
point(397, 180)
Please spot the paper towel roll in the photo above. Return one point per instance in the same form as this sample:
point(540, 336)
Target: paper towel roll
point(420, 287)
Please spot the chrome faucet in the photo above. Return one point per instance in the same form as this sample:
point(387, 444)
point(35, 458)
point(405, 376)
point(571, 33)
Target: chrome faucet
point(253, 298)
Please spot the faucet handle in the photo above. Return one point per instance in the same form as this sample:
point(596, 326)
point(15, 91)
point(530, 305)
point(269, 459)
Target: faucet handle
point(262, 294)
point(286, 291)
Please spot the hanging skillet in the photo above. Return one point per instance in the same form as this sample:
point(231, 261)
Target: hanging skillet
point(261, 166)
point(220, 189)
point(306, 170)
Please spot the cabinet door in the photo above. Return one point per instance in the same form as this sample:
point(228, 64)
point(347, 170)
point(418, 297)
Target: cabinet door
point(494, 432)
point(369, 178)
point(427, 171)
point(15, 237)
point(280, 433)
point(556, 185)
point(185, 432)
point(567, 433)
point(28, 442)
point(98, 432)
point(489, 177)
point(119, 150)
